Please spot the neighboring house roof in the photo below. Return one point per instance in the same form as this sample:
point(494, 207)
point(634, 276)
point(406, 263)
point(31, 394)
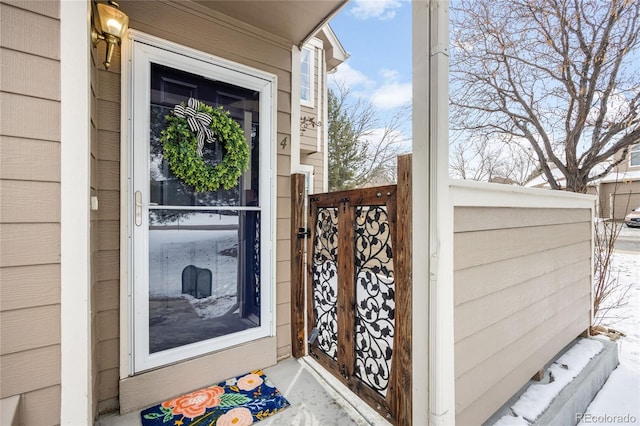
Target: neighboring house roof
point(541, 181)
point(335, 53)
point(629, 175)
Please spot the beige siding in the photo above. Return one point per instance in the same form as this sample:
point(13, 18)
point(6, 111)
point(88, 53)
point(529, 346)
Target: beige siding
point(29, 159)
point(625, 165)
point(616, 199)
point(105, 230)
point(20, 197)
point(283, 242)
point(626, 198)
point(522, 292)
point(176, 23)
point(99, 290)
point(179, 378)
point(622, 197)
point(42, 19)
point(30, 328)
point(44, 70)
point(26, 371)
point(605, 192)
point(309, 135)
point(28, 286)
point(30, 208)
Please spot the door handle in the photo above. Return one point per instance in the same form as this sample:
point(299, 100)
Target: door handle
point(138, 208)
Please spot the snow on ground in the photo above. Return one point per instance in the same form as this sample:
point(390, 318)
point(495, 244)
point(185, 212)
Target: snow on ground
point(171, 250)
point(211, 307)
point(618, 402)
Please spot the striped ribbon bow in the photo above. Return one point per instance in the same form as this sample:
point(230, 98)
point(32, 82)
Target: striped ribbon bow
point(199, 122)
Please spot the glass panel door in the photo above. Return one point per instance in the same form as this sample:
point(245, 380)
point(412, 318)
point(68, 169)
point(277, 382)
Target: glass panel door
point(198, 279)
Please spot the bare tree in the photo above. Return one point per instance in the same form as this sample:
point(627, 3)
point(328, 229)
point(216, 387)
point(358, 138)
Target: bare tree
point(558, 74)
point(609, 293)
point(492, 160)
point(361, 152)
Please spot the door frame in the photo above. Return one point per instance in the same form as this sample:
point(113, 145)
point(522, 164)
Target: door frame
point(138, 50)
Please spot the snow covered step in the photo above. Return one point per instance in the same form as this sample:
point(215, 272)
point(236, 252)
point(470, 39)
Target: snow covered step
point(571, 382)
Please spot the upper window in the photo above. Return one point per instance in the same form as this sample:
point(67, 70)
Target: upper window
point(306, 76)
point(635, 156)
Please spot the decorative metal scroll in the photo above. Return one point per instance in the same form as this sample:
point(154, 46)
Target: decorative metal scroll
point(325, 280)
point(256, 260)
point(375, 301)
point(306, 122)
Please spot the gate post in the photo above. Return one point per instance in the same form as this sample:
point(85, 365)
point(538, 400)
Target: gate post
point(402, 403)
point(297, 265)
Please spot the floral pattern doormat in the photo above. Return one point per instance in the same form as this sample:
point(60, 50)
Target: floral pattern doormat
point(239, 401)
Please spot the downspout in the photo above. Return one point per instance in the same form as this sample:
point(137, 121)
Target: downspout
point(441, 300)
point(433, 331)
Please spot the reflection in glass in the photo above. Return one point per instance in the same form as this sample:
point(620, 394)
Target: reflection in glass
point(203, 281)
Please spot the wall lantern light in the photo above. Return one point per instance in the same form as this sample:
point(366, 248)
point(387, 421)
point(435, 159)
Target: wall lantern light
point(113, 26)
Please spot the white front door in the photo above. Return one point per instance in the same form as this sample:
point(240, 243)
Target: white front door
point(201, 268)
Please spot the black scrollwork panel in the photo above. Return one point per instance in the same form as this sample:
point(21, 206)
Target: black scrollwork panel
point(325, 280)
point(256, 260)
point(375, 298)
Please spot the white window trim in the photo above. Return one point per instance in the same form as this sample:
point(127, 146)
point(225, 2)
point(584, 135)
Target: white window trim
point(314, 46)
point(135, 84)
point(634, 148)
point(308, 102)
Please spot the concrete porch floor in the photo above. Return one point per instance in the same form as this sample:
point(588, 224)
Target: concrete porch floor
point(316, 398)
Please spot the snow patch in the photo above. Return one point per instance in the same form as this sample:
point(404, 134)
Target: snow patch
point(213, 306)
point(538, 397)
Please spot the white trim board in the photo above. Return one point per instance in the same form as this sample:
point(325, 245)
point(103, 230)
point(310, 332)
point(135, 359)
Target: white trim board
point(312, 70)
point(75, 240)
point(474, 194)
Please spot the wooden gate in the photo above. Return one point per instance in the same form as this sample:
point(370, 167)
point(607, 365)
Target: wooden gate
point(359, 292)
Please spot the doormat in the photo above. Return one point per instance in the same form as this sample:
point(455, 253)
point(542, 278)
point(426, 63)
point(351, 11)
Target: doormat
point(240, 401)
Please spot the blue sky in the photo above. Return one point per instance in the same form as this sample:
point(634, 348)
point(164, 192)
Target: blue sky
point(377, 35)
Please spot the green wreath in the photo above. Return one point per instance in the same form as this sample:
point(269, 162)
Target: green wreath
point(188, 128)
